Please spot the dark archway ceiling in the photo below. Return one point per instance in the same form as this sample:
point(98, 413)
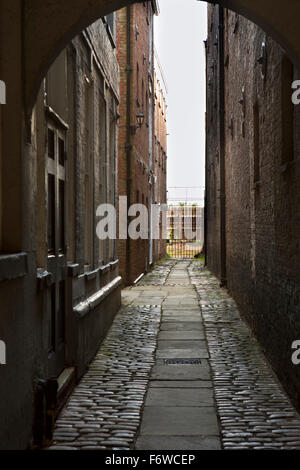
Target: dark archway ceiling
point(50, 24)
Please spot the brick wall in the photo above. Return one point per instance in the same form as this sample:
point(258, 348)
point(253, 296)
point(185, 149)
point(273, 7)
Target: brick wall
point(134, 254)
point(160, 157)
point(212, 145)
point(262, 186)
point(27, 287)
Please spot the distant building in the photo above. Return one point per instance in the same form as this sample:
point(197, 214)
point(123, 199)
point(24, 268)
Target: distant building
point(159, 152)
point(138, 173)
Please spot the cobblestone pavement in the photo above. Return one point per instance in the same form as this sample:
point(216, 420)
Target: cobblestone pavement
point(104, 409)
point(179, 411)
point(254, 411)
point(179, 368)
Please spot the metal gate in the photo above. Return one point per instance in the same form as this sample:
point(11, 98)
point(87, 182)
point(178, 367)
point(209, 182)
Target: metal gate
point(185, 229)
point(184, 248)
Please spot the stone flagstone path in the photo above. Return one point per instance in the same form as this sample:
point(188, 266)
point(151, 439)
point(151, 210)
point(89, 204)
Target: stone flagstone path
point(179, 370)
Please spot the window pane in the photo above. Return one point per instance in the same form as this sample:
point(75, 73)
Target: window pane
point(61, 215)
point(52, 320)
point(51, 213)
point(51, 144)
point(61, 313)
point(61, 152)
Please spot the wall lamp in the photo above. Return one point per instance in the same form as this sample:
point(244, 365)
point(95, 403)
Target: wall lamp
point(140, 118)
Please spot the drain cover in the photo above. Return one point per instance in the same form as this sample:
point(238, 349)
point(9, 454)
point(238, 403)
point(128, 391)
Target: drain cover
point(182, 361)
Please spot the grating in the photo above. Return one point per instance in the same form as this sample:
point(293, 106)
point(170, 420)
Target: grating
point(182, 361)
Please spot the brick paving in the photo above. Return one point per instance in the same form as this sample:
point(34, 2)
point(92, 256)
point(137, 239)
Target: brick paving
point(179, 369)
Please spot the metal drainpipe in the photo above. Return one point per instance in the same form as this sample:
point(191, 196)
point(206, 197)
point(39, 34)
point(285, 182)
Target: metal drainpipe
point(222, 149)
point(128, 133)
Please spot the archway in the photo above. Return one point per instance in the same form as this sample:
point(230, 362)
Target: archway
point(49, 26)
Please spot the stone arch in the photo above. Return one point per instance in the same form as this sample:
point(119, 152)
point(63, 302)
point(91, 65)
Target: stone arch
point(49, 26)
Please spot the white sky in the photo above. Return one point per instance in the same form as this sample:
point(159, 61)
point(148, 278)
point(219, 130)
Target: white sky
point(180, 30)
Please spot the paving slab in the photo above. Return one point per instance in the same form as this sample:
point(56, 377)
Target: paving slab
point(178, 443)
point(179, 309)
point(179, 421)
point(181, 344)
point(147, 301)
point(179, 397)
point(181, 317)
point(181, 335)
point(176, 325)
point(192, 353)
point(182, 372)
point(180, 384)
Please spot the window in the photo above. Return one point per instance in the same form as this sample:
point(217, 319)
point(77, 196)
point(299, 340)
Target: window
point(102, 165)
point(110, 24)
point(56, 191)
point(112, 167)
point(287, 119)
point(147, 108)
point(89, 176)
point(51, 213)
point(256, 149)
point(56, 86)
point(137, 84)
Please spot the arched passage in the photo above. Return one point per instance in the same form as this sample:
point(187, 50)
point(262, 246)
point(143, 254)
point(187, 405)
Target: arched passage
point(48, 26)
point(32, 34)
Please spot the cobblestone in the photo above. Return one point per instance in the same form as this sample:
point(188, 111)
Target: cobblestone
point(254, 410)
point(184, 302)
point(104, 409)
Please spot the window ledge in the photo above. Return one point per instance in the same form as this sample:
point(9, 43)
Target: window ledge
point(45, 280)
point(88, 305)
point(13, 266)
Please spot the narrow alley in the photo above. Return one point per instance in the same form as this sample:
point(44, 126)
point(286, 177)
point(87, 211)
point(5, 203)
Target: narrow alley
point(179, 369)
point(149, 226)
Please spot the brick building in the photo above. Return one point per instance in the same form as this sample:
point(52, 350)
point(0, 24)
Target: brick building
point(136, 167)
point(59, 296)
point(252, 195)
point(159, 152)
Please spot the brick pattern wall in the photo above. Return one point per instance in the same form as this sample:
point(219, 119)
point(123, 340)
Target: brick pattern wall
point(262, 187)
point(212, 144)
point(160, 158)
point(134, 254)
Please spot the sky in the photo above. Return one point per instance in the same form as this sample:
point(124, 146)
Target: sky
point(180, 32)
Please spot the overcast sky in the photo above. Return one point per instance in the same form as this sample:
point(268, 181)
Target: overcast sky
point(180, 30)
